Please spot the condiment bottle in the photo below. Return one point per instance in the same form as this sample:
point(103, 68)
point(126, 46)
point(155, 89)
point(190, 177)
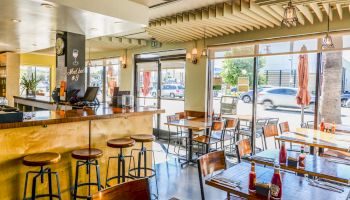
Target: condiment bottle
point(322, 125)
point(283, 154)
point(301, 158)
point(276, 184)
point(252, 178)
point(333, 127)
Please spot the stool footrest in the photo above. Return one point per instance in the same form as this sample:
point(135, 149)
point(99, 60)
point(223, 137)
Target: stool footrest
point(116, 177)
point(153, 172)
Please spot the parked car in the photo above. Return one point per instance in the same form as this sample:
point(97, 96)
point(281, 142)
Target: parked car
point(282, 97)
point(345, 100)
point(170, 90)
point(247, 97)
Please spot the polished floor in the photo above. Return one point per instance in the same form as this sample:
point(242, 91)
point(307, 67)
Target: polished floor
point(179, 183)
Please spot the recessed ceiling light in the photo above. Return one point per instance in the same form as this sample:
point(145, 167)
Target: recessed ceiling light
point(93, 29)
point(46, 5)
point(34, 45)
point(15, 20)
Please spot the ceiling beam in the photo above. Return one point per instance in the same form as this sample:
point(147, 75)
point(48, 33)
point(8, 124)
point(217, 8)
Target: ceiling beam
point(340, 10)
point(316, 8)
point(306, 12)
point(328, 8)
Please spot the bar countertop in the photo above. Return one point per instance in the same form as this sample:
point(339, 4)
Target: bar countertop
point(43, 118)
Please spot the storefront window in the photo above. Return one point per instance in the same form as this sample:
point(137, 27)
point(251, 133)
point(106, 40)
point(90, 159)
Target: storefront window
point(40, 73)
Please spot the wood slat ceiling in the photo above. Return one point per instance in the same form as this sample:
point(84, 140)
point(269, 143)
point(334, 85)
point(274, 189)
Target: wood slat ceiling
point(229, 18)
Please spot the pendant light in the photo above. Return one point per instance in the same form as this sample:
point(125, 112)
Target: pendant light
point(193, 55)
point(290, 15)
point(327, 41)
point(204, 51)
point(123, 59)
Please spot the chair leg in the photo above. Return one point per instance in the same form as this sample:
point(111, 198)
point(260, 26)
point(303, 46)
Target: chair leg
point(58, 186)
point(98, 175)
point(50, 182)
point(76, 180)
point(25, 186)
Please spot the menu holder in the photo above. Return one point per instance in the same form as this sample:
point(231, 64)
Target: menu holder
point(263, 189)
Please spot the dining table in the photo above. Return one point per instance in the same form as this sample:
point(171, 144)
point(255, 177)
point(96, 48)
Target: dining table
point(339, 141)
point(193, 125)
point(236, 178)
point(332, 169)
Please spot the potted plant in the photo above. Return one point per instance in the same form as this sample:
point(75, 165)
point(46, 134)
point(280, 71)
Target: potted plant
point(29, 85)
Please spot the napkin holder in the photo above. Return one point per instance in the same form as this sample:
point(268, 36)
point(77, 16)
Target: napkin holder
point(292, 162)
point(262, 189)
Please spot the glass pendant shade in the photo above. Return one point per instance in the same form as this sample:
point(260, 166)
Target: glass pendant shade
point(204, 52)
point(327, 42)
point(194, 51)
point(290, 15)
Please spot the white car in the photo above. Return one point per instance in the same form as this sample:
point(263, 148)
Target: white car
point(272, 98)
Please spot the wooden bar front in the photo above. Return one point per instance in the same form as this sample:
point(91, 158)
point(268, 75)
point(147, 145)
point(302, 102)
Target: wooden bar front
point(62, 138)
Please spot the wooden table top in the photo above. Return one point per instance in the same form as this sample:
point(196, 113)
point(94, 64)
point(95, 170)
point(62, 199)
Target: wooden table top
point(294, 187)
point(194, 123)
point(318, 166)
point(338, 141)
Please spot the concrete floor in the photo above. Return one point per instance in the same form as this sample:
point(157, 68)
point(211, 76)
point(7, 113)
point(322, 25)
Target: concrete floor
point(177, 182)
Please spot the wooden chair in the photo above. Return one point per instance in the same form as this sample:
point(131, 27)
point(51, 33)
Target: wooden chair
point(243, 149)
point(208, 164)
point(177, 136)
point(132, 190)
point(207, 140)
point(284, 127)
point(270, 131)
point(229, 133)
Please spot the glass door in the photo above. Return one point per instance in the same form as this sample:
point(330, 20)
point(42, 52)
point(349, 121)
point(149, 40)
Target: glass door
point(172, 89)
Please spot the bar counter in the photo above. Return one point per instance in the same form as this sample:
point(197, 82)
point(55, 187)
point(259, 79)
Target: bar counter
point(63, 132)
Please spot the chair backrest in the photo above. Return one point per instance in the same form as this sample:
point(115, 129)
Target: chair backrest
point(197, 114)
point(228, 105)
point(310, 124)
point(208, 164)
point(243, 148)
point(181, 115)
point(132, 190)
point(270, 130)
point(284, 127)
point(273, 121)
point(171, 118)
point(231, 124)
point(217, 126)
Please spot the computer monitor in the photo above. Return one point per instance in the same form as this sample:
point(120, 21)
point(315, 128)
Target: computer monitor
point(90, 94)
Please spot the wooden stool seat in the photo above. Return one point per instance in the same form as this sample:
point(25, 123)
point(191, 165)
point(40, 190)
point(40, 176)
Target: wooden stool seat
point(121, 143)
point(41, 159)
point(143, 138)
point(87, 154)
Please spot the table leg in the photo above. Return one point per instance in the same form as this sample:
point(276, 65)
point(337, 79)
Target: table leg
point(190, 150)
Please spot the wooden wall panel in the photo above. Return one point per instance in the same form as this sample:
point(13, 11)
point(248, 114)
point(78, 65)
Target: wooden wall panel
point(61, 138)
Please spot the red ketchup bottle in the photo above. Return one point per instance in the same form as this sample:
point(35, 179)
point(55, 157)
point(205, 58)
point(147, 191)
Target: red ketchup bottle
point(252, 178)
point(322, 125)
point(301, 158)
point(283, 154)
point(333, 127)
point(276, 184)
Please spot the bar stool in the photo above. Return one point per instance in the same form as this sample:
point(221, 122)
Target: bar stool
point(143, 138)
point(121, 144)
point(87, 157)
point(41, 160)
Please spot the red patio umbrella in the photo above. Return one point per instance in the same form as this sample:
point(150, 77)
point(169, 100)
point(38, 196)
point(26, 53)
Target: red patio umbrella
point(146, 83)
point(303, 96)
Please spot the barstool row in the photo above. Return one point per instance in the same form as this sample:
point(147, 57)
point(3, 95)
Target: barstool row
point(88, 157)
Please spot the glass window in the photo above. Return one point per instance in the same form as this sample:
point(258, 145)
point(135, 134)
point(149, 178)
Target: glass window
point(277, 47)
point(43, 74)
point(104, 73)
